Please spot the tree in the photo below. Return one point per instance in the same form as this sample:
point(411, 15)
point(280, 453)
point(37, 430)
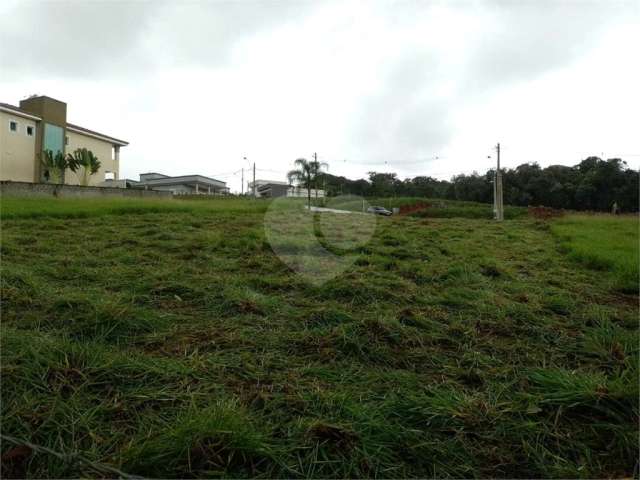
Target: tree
point(316, 173)
point(628, 194)
point(88, 161)
point(342, 185)
point(473, 187)
point(302, 175)
point(424, 187)
point(384, 184)
point(55, 165)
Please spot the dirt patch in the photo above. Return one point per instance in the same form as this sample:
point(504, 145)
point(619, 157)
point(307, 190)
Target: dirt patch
point(416, 207)
point(333, 434)
point(544, 213)
point(14, 462)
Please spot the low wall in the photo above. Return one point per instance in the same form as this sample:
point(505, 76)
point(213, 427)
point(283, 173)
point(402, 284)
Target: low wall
point(25, 189)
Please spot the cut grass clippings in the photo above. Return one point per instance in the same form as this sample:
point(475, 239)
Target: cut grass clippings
point(166, 339)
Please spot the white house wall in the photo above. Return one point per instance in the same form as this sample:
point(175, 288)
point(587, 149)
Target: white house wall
point(302, 192)
point(17, 149)
point(101, 149)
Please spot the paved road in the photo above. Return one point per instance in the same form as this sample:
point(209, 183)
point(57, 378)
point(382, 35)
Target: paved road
point(332, 210)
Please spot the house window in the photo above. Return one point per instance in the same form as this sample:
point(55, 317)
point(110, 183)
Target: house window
point(109, 175)
point(13, 126)
point(66, 140)
point(53, 138)
point(29, 131)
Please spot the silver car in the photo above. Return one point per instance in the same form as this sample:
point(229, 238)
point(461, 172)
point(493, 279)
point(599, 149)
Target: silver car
point(379, 211)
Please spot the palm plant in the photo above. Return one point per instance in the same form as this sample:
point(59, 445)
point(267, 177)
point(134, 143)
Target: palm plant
point(316, 173)
point(55, 165)
point(302, 175)
point(88, 161)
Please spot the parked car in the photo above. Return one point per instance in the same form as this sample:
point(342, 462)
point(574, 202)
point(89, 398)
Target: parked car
point(378, 211)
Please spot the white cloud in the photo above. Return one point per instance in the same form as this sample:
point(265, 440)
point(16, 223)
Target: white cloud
point(386, 86)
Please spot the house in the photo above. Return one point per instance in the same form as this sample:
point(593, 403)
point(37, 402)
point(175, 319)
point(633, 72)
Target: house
point(274, 188)
point(180, 185)
point(302, 192)
point(268, 188)
point(40, 123)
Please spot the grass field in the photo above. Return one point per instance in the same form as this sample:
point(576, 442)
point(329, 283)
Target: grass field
point(166, 339)
point(438, 208)
point(604, 243)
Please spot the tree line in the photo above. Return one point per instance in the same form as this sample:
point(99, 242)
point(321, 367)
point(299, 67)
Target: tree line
point(593, 184)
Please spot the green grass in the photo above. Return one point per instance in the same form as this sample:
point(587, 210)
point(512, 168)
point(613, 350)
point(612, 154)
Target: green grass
point(604, 242)
point(166, 339)
point(438, 208)
point(15, 207)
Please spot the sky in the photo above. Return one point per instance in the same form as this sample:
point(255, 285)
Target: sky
point(411, 87)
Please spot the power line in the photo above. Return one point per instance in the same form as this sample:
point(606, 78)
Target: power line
point(270, 170)
point(225, 174)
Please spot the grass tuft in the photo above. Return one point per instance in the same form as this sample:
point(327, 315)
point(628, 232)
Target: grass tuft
point(218, 440)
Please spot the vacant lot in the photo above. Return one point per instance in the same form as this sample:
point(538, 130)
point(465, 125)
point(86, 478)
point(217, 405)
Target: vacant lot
point(604, 242)
point(166, 339)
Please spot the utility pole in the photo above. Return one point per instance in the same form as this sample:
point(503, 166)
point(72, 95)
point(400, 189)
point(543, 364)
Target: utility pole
point(242, 184)
point(254, 179)
point(495, 196)
point(498, 200)
point(495, 193)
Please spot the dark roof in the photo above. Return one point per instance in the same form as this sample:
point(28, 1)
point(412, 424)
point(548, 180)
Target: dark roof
point(182, 179)
point(266, 186)
point(71, 125)
point(155, 173)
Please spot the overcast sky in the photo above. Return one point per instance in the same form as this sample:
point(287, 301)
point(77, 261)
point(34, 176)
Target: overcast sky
point(416, 88)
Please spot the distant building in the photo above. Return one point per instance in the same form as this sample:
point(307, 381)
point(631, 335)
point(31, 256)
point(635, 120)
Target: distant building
point(268, 188)
point(39, 124)
point(302, 192)
point(274, 188)
point(180, 185)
